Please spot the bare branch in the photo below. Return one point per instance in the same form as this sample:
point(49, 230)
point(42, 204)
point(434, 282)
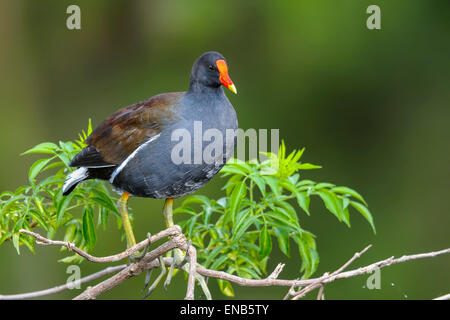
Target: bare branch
point(130, 271)
point(63, 287)
point(170, 232)
point(196, 272)
point(320, 283)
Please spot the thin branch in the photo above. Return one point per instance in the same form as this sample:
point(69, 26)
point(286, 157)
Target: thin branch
point(192, 252)
point(170, 232)
point(320, 283)
point(177, 240)
point(320, 295)
point(63, 287)
point(129, 272)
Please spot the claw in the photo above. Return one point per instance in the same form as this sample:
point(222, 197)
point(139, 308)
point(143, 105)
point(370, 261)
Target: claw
point(136, 257)
point(169, 275)
point(186, 257)
point(158, 279)
point(147, 279)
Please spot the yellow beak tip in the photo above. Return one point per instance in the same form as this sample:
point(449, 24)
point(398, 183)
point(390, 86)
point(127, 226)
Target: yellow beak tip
point(232, 88)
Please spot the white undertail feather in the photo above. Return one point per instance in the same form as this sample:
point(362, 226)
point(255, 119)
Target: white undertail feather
point(76, 176)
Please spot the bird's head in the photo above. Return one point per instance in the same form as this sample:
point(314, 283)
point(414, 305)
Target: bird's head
point(211, 70)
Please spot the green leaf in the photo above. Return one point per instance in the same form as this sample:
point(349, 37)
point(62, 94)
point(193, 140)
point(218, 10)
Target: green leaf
point(232, 169)
point(265, 242)
point(45, 147)
point(89, 228)
point(243, 226)
point(236, 198)
point(226, 287)
point(40, 220)
point(213, 254)
point(15, 239)
point(62, 206)
point(105, 201)
point(219, 262)
point(283, 217)
point(330, 202)
point(308, 166)
point(351, 192)
point(259, 182)
point(303, 201)
point(196, 199)
point(36, 168)
point(324, 185)
point(365, 212)
point(283, 240)
point(272, 182)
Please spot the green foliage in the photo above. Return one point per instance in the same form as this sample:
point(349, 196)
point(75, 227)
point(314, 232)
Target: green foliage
point(42, 205)
point(235, 233)
point(262, 204)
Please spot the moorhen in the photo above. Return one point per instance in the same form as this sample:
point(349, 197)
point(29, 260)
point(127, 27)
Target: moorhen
point(134, 147)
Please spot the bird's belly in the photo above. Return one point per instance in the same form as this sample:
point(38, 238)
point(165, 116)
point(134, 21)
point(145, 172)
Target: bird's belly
point(154, 173)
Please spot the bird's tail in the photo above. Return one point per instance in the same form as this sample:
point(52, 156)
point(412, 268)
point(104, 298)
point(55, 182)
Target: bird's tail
point(73, 179)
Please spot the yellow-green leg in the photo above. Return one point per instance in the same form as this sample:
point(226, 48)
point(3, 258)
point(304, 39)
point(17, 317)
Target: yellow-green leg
point(123, 209)
point(168, 212)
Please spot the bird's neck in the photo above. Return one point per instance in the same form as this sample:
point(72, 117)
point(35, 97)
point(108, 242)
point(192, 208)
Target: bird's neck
point(196, 87)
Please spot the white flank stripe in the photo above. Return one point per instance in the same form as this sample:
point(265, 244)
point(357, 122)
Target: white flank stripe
point(131, 156)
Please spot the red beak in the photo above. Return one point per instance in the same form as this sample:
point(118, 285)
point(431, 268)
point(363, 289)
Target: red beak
point(224, 77)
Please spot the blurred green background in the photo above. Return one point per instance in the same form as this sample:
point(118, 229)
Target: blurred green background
point(371, 106)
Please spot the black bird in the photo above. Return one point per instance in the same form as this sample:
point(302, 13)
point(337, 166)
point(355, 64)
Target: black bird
point(154, 149)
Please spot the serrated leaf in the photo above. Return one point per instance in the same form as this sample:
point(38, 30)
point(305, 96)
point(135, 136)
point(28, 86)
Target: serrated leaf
point(365, 212)
point(89, 228)
point(265, 242)
point(213, 254)
point(45, 147)
point(15, 240)
point(351, 192)
point(242, 227)
point(36, 168)
point(62, 206)
point(259, 182)
point(219, 262)
point(303, 201)
point(324, 185)
point(330, 202)
point(40, 220)
point(236, 197)
point(196, 199)
point(226, 287)
point(283, 240)
point(308, 166)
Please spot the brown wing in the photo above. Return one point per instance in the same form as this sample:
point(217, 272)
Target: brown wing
point(125, 130)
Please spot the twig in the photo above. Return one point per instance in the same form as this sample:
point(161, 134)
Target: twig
point(304, 291)
point(150, 260)
point(63, 287)
point(130, 271)
point(320, 295)
point(373, 266)
point(172, 231)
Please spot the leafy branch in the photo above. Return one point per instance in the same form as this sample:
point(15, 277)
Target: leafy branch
point(235, 233)
point(41, 203)
point(263, 202)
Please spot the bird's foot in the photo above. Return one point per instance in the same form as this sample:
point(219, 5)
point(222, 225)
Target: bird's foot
point(137, 256)
point(157, 280)
point(177, 265)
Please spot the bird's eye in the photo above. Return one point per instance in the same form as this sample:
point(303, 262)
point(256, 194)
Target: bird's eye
point(211, 67)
